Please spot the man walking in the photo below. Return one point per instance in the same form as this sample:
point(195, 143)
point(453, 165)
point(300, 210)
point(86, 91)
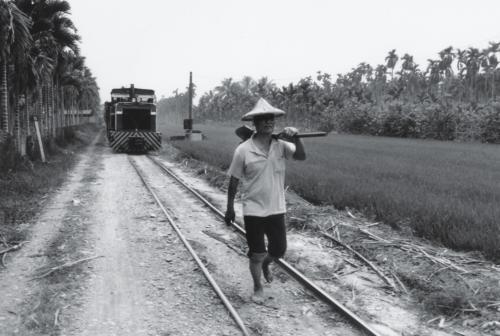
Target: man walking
point(259, 163)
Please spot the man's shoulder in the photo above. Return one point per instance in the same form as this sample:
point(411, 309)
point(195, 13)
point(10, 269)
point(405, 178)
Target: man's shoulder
point(244, 146)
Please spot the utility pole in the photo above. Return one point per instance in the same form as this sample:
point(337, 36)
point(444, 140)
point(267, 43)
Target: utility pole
point(192, 135)
point(188, 123)
point(190, 95)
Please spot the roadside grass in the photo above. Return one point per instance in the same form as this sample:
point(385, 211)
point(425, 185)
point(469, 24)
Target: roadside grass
point(25, 184)
point(447, 192)
point(61, 289)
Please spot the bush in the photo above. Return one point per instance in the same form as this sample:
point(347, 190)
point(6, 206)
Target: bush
point(467, 122)
point(326, 121)
point(490, 123)
point(439, 122)
point(400, 120)
point(356, 118)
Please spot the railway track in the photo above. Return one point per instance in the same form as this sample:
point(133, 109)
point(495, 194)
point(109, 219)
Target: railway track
point(319, 293)
point(197, 259)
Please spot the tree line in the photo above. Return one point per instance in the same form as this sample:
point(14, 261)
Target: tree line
point(43, 76)
point(453, 97)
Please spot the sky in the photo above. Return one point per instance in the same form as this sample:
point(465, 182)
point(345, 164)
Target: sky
point(154, 44)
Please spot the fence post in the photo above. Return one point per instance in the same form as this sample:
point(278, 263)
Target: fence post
point(39, 137)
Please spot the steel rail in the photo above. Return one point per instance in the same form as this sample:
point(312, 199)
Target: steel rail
point(323, 295)
point(205, 271)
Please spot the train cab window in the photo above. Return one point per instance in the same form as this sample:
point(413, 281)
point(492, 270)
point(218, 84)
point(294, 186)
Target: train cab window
point(136, 119)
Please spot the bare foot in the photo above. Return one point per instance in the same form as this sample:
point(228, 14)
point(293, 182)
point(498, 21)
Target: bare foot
point(267, 272)
point(258, 296)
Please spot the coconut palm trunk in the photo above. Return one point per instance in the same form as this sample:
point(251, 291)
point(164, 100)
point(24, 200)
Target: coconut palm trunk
point(4, 102)
point(58, 110)
point(39, 103)
point(61, 108)
point(73, 113)
point(17, 125)
point(52, 108)
point(27, 109)
point(493, 96)
point(46, 110)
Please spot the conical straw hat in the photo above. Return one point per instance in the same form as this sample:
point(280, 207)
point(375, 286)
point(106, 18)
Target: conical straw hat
point(262, 107)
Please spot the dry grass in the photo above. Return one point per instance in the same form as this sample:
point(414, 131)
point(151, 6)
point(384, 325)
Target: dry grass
point(56, 291)
point(56, 286)
point(25, 184)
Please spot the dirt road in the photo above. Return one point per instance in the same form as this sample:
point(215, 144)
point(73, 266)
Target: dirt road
point(135, 277)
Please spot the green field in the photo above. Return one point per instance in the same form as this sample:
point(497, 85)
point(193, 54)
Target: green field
point(449, 192)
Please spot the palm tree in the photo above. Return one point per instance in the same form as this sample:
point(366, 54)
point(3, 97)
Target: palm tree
point(65, 36)
point(325, 79)
point(434, 74)
point(225, 96)
point(225, 88)
point(472, 67)
point(445, 62)
point(26, 76)
point(391, 61)
point(264, 86)
point(39, 66)
point(484, 62)
point(408, 74)
point(68, 73)
point(461, 56)
point(493, 49)
point(447, 55)
point(54, 32)
point(304, 97)
point(15, 40)
point(247, 84)
point(380, 81)
point(88, 95)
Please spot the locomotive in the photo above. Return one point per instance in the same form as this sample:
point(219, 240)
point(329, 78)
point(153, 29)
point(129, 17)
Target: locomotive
point(131, 120)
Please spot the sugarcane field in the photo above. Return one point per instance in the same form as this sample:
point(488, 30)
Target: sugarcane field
point(259, 168)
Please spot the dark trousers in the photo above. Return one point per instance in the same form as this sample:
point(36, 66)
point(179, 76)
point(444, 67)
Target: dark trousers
point(272, 227)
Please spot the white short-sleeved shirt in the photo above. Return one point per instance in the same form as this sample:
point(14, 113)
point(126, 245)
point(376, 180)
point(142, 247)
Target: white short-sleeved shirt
point(262, 176)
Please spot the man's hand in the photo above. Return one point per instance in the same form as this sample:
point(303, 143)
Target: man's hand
point(229, 217)
point(289, 133)
point(231, 194)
